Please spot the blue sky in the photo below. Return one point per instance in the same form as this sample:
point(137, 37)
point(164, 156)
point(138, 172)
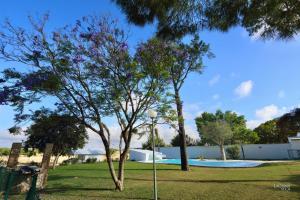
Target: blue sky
point(258, 79)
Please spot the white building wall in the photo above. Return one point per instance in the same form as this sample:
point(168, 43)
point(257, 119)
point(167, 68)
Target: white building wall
point(266, 151)
point(251, 151)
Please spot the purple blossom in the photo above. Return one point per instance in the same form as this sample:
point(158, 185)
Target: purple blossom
point(94, 51)
point(81, 47)
point(124, 46)
point(78, 59)
point(129, 75)
point(94, 37)
point(85, 35)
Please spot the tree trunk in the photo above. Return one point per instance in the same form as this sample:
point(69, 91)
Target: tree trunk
point(121, 170)
point(243, 152)
point(222, 150)
point(117, 182)
point(55, 161)
point(181, 132)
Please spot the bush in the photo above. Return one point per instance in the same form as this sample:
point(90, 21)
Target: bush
point(91, 160)
point(32, 163)
point(4, 151)
point(2, 162)
point(113, 151)
point(70, 161)
point(200, 157)
point(233, 152)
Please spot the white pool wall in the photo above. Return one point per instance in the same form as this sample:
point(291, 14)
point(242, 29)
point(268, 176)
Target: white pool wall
point(251, 151)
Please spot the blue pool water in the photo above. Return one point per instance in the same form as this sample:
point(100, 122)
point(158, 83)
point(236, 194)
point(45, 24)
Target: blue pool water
point(212, 163)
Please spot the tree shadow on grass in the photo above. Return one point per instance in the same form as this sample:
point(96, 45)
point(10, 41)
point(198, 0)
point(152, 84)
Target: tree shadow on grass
point(295, 179)
point(130, 169)
point(64, 177)
point(59, 188)
point(212, 181)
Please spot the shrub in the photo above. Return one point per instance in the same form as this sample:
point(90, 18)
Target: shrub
point(113, 151)
point(200, 157)
point(233, 152)
point(4, 151)
point(32, 163)
point(1, 162)
point(91, 160)
point(70, 161)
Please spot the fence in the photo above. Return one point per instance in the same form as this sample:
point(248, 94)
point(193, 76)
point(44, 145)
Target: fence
point(251, 152)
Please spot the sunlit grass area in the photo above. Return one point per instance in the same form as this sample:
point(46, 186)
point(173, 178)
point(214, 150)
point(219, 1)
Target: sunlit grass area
point(92, 181)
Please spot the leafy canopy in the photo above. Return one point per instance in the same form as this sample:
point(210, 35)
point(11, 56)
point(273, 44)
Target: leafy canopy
point(217, 131)
point(268, 132)
point(236, 122)
point(175, 142)
point(65, 132)
point(159, 142)
point(176, 18)
point(89, 72)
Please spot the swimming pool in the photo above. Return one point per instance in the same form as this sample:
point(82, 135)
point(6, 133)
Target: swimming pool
point(213, 163)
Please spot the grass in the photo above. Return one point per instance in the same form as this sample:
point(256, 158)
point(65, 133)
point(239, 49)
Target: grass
point(92, 181)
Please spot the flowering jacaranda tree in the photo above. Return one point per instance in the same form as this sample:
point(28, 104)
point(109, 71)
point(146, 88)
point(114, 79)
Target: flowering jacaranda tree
point(87, 67)
point(178, 60)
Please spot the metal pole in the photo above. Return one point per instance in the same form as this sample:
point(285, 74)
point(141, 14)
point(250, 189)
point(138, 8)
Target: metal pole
point(154, 166)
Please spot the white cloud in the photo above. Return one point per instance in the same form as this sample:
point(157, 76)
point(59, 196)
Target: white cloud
point(244, 89)
point(256, 35)
point(214, 80)
point(6, 139)
point(266, 113)
point(269, 112)
point(281, 94)
point(191, 111)
point(216, 97)
point(252, 124)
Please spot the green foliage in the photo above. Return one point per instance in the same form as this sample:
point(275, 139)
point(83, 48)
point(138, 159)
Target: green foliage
point(113, 151)
point(237, 123)
point(176, 18)
point(217, 131)
point(91, 160)
point(34, 163)
point(89, 70)
point(71, 161)
point(278, 130)
point(200, 157)
point(4, 151)
point(233, 152)
point(288, 125)
point(159, 142)
point(1, 162)
point(177, 60)
point(268, 132)
point(64, 131)
point(175, 142)
point(272, 19)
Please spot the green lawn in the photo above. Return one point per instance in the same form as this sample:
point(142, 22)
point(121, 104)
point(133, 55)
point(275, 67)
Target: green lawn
point(92, 181)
